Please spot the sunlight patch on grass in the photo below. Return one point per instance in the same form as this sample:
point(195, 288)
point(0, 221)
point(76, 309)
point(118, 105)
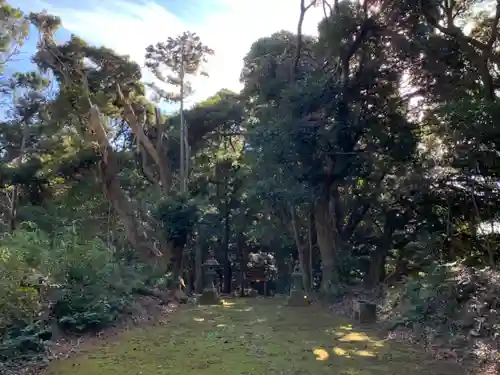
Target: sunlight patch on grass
point(378, 344)
point(365, 353)
point(346, 327)
point(355, 336)
point(321, 354)
point(335, 333)
point(340, 351)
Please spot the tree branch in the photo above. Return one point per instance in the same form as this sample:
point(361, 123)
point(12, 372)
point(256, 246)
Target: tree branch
point(458, 34)
point(303, 10)
point(144, 140)
point(494, 26)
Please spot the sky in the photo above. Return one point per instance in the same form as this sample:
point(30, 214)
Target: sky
point(128, 26)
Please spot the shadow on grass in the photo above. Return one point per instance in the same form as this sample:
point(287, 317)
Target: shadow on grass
point(253, 337)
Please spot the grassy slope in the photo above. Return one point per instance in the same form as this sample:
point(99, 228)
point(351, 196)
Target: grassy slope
point(252, 337)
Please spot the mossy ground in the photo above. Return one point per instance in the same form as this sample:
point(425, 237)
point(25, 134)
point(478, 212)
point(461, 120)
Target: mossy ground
point(252, 337)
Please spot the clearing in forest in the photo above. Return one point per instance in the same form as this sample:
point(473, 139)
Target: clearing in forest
point(252, 337)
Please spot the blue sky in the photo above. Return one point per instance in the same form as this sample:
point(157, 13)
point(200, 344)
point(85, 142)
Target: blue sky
point(128, 26)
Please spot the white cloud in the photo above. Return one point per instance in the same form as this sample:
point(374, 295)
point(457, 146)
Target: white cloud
point(229, 30)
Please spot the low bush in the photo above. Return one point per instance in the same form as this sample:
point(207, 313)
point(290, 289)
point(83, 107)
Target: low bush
point(79, 285)
point(455, 304)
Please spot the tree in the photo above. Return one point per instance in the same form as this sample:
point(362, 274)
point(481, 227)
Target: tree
point(368, 153)
point(345, 130)
point(13, 30)
point(21, 131)
point(181, 56)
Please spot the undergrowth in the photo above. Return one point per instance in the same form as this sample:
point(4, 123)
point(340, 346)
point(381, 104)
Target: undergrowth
point(60, 281)
point(452, 305)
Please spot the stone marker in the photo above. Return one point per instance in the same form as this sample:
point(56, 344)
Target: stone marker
point(298, 296)
point(365, 312)
point(210, 295)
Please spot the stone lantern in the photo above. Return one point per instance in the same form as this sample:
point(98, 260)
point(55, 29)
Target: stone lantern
point(210, 295)
point(297, 281)
point(298, 295)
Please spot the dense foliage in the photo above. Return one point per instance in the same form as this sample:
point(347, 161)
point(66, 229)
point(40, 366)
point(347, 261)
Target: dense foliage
point(368, 153)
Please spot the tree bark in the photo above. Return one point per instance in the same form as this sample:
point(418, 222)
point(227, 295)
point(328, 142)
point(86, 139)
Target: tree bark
point(157, 155)
point(376, 271)
point(15, 192)
point(240, 242)
point(310, 222)
point(113, 192)
point(327, 244)
point(198, 287)
point(183, 167)
point(302, 250)
point(108, 168)
point(176, 257)
point(227, 232)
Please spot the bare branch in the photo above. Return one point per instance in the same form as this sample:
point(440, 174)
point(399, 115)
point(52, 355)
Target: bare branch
point(303, 9)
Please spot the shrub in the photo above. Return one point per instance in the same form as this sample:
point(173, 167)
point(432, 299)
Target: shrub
point(454, 303)
point(18, 342)
point(19, 303)
point(429, 296)
point(93, 290)
point(21, 334)
point(92, 285)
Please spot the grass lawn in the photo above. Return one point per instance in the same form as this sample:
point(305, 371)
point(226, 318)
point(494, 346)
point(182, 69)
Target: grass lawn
point(252, 337)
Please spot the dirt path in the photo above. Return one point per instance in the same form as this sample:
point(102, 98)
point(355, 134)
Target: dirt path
point(252, 337)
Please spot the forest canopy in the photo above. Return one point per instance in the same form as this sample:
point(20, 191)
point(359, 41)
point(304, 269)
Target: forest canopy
point(367, 153)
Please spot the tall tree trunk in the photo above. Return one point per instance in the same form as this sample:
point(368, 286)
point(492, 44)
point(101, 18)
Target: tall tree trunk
point(227, 263)
point(108, 168)
point(176, 257)
point(243, 262)
point(327, 244)
point(302, 250)
point(15, 192)
point(198, 287)
point(376, 271)
point(183, 169)
point(156, 153)
point(113, 192)
point(310, 225)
